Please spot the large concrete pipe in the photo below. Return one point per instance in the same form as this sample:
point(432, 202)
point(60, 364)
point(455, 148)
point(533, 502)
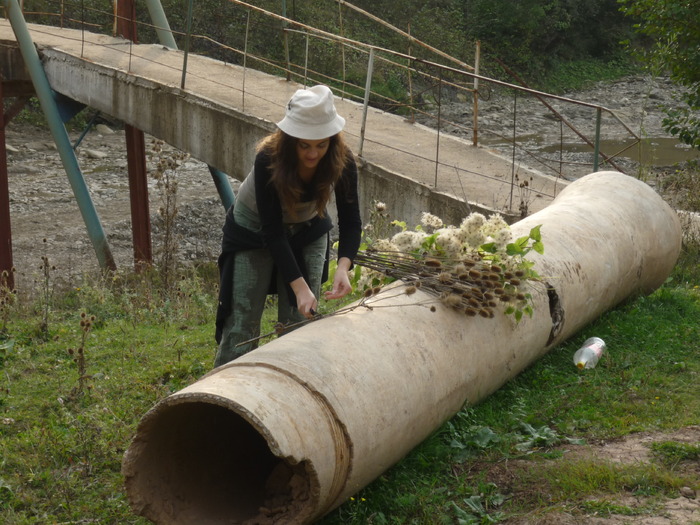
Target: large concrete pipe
point(291, 430)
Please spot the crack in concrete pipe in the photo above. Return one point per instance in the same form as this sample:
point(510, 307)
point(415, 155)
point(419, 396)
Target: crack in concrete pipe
point(291, 430)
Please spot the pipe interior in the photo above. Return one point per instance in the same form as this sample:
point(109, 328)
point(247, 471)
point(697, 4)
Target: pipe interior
point(205, 464)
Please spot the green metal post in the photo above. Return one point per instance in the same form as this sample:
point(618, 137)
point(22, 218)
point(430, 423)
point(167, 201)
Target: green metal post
point(597, 139)
point(187, 42)
point(365, 104)
point(285, 35)
point(165, 34)
point(223, 186)
point(70, 163)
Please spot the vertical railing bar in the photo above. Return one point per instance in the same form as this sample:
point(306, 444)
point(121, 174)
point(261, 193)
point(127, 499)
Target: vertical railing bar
point(512, 166)
point(82, 28)
point(187, 43)
point(342, 47)
point(477, 60)
point(306, 60)
point(597, 139)
point(285, 33)
point(410, 78)
point(245, 60)
point(439, 122)
point(561, 146)
point(365, 105)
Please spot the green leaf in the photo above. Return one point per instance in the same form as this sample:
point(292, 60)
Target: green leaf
point(514, 249)
point(535, 234)
point(489, 247)
point(474, 503)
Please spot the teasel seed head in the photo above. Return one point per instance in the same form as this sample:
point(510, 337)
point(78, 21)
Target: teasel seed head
point(444, 277)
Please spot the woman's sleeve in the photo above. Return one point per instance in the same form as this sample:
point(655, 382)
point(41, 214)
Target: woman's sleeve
point(348, 204)
point(270, 211)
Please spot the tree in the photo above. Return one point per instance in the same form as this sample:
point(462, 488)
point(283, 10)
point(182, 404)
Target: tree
point(674, 29)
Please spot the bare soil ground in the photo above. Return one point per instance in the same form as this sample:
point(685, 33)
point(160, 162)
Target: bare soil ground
point(684, 509)
point(46, 220)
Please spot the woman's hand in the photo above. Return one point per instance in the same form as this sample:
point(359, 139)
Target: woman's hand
point(341, 281)
point(306, 300)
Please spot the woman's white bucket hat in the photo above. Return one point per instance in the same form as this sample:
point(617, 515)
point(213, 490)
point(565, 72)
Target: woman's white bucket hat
point(311, 115)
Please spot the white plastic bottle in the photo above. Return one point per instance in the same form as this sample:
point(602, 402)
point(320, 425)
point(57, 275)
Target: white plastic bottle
point(588, 355)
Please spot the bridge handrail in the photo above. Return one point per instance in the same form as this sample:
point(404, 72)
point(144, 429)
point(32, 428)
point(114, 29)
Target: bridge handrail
point(436, 79)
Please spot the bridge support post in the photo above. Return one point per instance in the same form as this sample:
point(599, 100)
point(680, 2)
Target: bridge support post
point(160, 23)
point(138, 196)
point(6, 274)
point(165, 36)
point(136, 159)
point(70, 163)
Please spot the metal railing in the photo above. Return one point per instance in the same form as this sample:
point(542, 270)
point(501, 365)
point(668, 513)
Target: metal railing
point(361, 72)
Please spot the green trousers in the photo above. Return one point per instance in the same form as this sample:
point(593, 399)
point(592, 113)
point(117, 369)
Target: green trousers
point(252, 275)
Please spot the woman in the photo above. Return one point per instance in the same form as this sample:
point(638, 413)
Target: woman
point(276, 236)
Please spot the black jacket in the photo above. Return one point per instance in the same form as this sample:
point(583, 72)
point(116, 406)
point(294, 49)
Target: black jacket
point(237, 238)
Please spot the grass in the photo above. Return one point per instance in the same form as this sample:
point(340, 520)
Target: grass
point(72, 394)
point(646, 382)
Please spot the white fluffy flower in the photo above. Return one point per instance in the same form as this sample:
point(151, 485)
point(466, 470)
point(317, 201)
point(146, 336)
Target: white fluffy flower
point(368, 278)
point(433, 222)
point(473, 223)
point(449, 241)
point(502, 239)
point(475, 239)
point(384, 245)
point(408, 241)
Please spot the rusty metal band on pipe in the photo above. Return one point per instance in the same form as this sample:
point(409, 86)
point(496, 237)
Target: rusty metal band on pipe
point(291, 430)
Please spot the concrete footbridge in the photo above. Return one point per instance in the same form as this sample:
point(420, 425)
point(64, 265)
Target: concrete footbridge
point(217, 112)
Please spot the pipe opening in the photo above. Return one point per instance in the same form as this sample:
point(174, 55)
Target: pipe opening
point(202, 463)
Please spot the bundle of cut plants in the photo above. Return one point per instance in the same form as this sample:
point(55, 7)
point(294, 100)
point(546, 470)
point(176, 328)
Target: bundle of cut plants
point(475, 268)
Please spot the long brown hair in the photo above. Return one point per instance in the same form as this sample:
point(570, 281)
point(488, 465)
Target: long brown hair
point(282, 149)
